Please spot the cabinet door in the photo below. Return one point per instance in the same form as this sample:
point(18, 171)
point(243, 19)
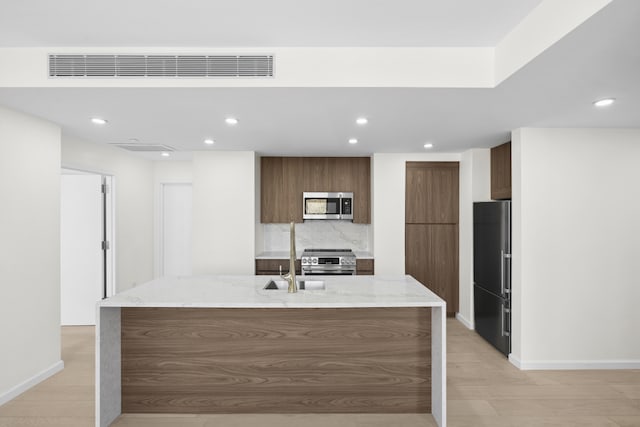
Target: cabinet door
point(316, 174)
point(361, 177)
point(341, 173)
point(431, 257)
point(364, 267)
point(293, 180)
point(271, 267)
point(432, 193)
point(281, 189)
point(271, 184)
point(501, 172)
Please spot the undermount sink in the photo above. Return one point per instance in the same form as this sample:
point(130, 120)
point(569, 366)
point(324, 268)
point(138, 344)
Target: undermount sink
point(309, 285)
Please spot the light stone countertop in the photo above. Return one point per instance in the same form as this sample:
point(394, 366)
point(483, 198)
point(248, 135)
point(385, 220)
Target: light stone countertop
point(285, 255)
point(248, 292)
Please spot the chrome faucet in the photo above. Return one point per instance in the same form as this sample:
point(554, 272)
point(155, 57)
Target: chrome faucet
point(291, 275)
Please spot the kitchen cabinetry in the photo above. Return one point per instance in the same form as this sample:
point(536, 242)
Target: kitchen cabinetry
point(429, 193)
point(284, 179)
point(431, 227)
point(364, 267)
point(501, 172)
point(281, 187)
point(269, 267)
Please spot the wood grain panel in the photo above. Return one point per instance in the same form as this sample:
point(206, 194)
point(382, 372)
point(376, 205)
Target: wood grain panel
point(341, 173)
point(431, 257)
point(293, 182)
point(361, 172)
point(284, 179)
point(501, 172)
point(431, 228)
point(272, 266)
point(432, 193)
point(271, 189)
point(185, 360)
point(316, 174)
point(364, 266)
point(281, 186)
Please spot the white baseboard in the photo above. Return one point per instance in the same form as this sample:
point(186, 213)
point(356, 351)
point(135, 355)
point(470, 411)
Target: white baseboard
point(568, 365)
point(464, 321)
point(14, 392)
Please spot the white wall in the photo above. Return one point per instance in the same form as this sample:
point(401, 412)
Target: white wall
point(475, 185)
point(133, 184)
point(388, 173)
point(224, 212)
point(29, 251)
point(576, 247)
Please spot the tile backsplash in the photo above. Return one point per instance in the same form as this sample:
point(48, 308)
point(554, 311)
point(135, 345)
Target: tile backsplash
point(318, 234)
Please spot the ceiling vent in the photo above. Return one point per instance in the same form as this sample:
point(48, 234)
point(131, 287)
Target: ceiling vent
point(143, 147)
point(174, 66)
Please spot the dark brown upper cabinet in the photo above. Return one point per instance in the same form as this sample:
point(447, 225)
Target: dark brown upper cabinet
point(284, 179)
point(501, 172)
point(281, 187)
point(430, 194)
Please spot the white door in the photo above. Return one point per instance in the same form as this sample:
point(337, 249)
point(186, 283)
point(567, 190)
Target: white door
point(81, 255)
point(176, 229)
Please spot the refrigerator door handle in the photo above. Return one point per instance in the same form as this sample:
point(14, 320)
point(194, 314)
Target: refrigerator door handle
point(502, 273)
point(503, 330)
point(503, 259)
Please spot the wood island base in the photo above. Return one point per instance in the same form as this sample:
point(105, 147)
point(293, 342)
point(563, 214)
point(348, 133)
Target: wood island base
point(322, 360)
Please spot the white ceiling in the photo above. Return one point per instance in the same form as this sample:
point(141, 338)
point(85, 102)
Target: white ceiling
point(256, 23)
point(598, 59)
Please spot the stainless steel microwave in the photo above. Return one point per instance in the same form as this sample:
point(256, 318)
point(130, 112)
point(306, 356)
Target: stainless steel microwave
point(327, 205)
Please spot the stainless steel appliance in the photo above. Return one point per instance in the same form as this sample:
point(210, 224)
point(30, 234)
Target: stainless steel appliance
point(492, 272)
point(316, 205)
point(328, 262)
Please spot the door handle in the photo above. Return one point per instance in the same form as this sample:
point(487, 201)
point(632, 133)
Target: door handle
point(503, 259)
point(503, 331)
point(502, 272)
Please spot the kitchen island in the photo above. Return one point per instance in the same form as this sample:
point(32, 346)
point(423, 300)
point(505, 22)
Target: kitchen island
point(224, 344)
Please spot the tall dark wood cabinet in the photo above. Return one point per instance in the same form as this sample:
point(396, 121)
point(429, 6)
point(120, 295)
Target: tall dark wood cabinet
point(431, 227)
point(501, 172)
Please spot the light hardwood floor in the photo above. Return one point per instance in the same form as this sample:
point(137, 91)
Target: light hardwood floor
point(484, 389)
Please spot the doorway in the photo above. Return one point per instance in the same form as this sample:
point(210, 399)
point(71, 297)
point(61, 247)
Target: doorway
point(86, 244)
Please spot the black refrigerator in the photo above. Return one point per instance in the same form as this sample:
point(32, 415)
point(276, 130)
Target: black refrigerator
point(492, 272)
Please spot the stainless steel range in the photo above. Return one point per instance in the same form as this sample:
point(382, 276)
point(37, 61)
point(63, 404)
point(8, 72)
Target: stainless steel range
point(330, 262)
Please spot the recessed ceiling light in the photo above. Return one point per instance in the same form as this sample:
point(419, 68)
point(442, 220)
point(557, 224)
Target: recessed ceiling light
point(428, 145)
point(209, 141)
point(231, 121)
point(362, 120)
point(353, 141)
point(98, 121)
point(165, 154)
point(604, 102)
point(134, 140)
